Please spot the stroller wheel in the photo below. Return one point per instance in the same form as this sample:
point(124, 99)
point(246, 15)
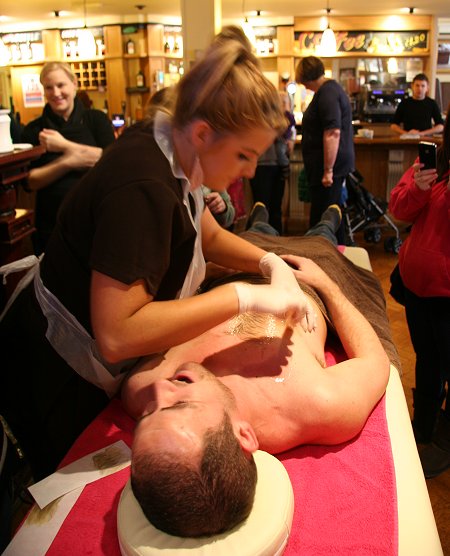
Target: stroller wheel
point(392, 244)
point(373, 235)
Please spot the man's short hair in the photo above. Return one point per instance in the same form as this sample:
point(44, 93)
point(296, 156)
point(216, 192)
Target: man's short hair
point(188, 501)
point(309, 69)
point(420, 77)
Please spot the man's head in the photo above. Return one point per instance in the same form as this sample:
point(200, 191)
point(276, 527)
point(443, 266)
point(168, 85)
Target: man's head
point(309, 70)
point(192, 469)
point(420, 86)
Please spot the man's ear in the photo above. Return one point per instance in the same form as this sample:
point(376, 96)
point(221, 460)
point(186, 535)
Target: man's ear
point(246, 437)
point(201, 134)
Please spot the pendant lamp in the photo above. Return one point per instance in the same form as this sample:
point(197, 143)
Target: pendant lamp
point(4, 53)
point(247, 28)
point(328, 45)
point(86, 41)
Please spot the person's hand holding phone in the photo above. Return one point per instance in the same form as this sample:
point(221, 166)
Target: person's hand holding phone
point(425, 173)
point(424, 178)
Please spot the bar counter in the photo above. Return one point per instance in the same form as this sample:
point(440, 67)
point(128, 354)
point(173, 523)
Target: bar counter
point(383, 160)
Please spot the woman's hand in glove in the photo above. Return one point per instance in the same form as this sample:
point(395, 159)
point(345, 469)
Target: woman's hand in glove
point(283, 297)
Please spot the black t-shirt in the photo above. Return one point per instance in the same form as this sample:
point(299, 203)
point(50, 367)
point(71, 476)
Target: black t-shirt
point(329, 109)
point(417, 114)
point(87, 127)
point(125, 219)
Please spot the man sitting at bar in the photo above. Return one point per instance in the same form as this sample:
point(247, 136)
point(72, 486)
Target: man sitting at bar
point(267, 386)
point(419, 114)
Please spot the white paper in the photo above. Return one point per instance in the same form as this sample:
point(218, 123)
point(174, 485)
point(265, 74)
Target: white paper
point(41, 527)
point(78, 474)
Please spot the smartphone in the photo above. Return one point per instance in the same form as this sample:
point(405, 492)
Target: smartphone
point(427, 154)
point(118, 120)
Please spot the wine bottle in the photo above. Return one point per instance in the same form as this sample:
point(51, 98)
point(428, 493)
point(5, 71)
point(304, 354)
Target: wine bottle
point(140, 79)
point(130, 47)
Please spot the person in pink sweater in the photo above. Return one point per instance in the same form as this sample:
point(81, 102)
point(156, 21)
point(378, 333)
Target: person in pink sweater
point(423, 198)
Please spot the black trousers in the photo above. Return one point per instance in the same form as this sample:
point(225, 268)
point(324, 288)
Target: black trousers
point(45, 402)
point(322, 197)
point(268, 187)
point(429, 327)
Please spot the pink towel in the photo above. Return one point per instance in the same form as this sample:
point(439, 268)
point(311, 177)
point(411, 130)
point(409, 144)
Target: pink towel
point(345, 495)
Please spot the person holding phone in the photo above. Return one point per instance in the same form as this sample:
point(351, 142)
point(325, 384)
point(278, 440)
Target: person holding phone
point(422, 196)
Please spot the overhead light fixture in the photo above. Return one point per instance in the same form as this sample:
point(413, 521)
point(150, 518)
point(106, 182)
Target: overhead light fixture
point(247, 28)
point(86, 41)
point(392, 66)
point(328, 44)
point(4, 53)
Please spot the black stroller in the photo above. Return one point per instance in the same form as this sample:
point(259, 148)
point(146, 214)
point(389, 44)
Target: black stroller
point(362, 211)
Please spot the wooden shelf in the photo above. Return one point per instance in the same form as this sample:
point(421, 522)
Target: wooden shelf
point(90, 74)
point(135, 56)
point(137, 90)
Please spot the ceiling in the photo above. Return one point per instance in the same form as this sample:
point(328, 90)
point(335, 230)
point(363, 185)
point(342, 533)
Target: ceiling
point(21, 15)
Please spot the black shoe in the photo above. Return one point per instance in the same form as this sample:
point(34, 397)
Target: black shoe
point(435, 458)
point(333, 216)
point(259, 213)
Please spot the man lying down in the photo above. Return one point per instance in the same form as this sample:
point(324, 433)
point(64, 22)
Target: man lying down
point(255, 381)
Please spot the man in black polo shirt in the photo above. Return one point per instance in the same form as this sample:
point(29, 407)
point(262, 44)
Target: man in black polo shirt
point(419, 114)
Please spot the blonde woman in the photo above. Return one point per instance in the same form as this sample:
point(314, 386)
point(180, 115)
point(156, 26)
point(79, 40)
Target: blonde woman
point(73, 138)
point(128, 253)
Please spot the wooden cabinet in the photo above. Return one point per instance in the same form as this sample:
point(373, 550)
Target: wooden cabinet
point(91, 75)
point(16, 225)
point(111, 76)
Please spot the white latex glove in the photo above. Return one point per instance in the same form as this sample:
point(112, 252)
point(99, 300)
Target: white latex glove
point(283, 297)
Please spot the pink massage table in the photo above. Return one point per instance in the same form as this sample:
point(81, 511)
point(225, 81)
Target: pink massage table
point(367, 496)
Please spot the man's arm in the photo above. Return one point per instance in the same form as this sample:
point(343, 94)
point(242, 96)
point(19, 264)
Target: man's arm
point(331, 139)
point(349, 390)
point(397, 128)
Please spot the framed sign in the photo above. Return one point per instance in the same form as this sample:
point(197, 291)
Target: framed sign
point(381, 43)
point(32, 90)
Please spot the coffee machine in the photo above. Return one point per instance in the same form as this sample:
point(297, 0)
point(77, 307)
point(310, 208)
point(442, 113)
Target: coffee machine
point(379, 103)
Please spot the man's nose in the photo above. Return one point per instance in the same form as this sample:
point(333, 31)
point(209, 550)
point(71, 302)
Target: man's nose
point(165, 391)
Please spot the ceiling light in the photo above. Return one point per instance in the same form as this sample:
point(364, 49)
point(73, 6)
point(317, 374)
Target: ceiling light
point(247, 28)
point(86, 42)
point(4, 53)
point(328, 45)
point(392, 66)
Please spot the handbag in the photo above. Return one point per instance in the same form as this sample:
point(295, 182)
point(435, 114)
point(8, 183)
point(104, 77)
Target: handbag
point(397, 289)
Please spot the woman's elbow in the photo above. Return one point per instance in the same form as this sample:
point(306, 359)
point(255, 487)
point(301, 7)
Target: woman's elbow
point(111, 347)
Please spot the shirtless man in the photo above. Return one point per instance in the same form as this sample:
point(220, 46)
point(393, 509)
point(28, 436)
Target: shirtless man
point(270, 380)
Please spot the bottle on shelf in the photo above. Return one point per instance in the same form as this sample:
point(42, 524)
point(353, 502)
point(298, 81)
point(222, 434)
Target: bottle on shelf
point(166, 45)
point(130, 46)
point(67, 49)
point(140, 79)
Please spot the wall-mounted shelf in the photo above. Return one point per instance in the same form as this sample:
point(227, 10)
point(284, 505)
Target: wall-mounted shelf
point(90, 75)
point(137, 90)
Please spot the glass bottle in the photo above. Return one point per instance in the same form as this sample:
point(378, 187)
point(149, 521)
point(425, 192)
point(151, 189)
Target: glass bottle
point(130, 46)
point(140, 79)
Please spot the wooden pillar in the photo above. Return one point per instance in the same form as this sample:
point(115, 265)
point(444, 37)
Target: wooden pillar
point(201, 20)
